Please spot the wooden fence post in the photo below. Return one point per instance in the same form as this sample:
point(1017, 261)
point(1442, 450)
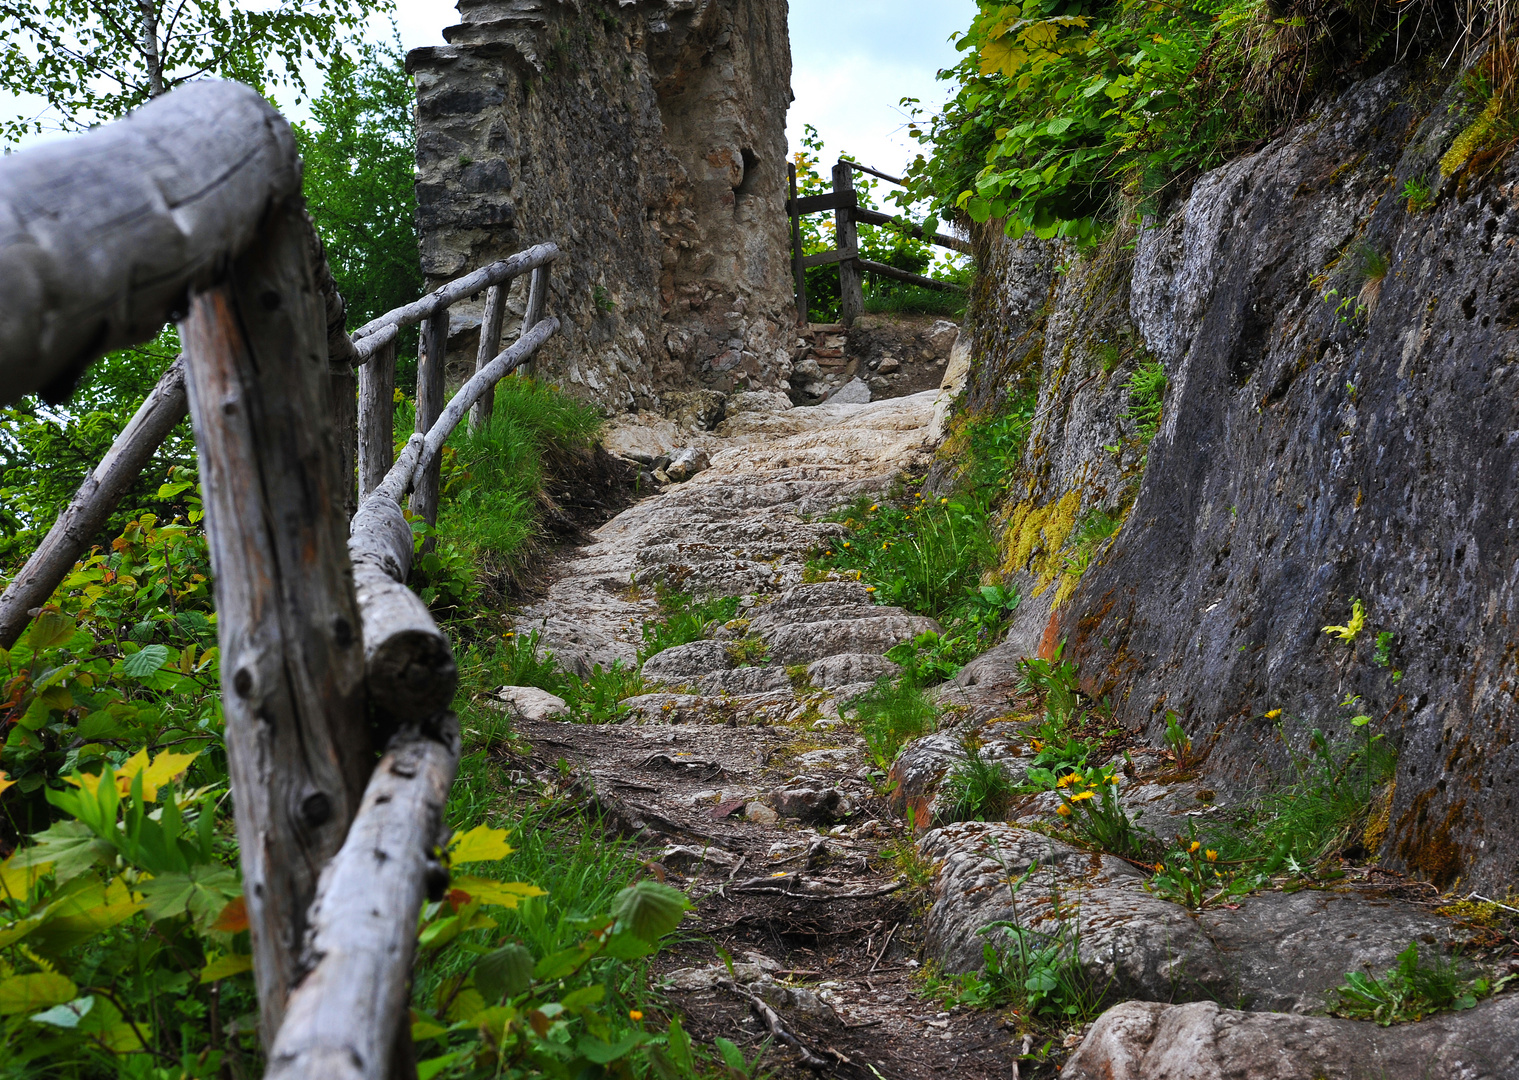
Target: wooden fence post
point(343, 385)
point(377, 418)
point(430, 388)
point(298, 744)
point(797, 268)
point(851, 291)
point(490, 344)
point(537, 301)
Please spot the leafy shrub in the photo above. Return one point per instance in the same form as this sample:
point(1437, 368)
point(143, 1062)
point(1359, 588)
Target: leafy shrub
point(1072, 113)
point(1090, 808)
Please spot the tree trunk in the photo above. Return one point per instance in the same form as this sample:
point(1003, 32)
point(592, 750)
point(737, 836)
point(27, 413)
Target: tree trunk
point(430, 388)
point(490, 343)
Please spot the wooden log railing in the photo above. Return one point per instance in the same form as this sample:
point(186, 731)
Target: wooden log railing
point(316, 626)
point(843, 201)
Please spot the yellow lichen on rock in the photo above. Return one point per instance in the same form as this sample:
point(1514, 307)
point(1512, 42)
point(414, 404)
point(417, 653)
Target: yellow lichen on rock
point(1470, 141)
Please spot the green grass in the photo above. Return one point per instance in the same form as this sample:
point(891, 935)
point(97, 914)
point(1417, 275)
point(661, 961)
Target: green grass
point(1412, 990)
point(891, 715)
point(682, 620)
point(518, 660)
point(915, 300)
point(494, 479)
point(976, 790)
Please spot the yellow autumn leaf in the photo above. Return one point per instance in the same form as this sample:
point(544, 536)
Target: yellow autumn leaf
point(30, 993)
point(480, 844)
point(223, 966)
point(5, 782)
point(507, 894)
point(1003, 56)
point(155, 773)
point(16, 881)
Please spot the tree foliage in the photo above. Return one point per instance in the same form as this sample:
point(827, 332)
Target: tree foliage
point(95, 60)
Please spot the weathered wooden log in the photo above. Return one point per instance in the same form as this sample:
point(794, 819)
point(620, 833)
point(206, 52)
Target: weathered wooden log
point(343, 388)
point(490, 344)
point(502, 366)
point(342, 1020)
point(828, 258)
point(446, 296)
point(851, 288)
point(431, 369)
point(79, 525)
point(897, 180)
point(798, 264)
point(532, 315)
point(902, 275)
point(875, 217)
point(288, 624)
point(101, 235)
point(368, 347)
point(408, 665)
point(377, 417)
point(398, 480)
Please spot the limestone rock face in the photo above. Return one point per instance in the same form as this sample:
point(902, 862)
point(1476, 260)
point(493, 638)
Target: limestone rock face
point(1330, 434)
point(1141, 1040)
point(647, 139)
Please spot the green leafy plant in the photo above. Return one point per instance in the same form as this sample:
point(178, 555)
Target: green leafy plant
point(1411, 990)
point(1147, 388)
point(1416, 192)
point(1091, 809)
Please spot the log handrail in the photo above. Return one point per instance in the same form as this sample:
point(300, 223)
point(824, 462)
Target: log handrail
point(101, 235)
point(309, 648)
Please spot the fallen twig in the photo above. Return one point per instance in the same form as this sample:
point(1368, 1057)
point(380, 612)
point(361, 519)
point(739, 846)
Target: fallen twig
point(884, 947)
point(776, 1025)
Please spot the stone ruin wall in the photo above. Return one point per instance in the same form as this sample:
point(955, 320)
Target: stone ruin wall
point(648, 140)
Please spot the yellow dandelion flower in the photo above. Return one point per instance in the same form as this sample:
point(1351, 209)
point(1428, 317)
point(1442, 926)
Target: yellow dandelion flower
point(1212, 855)
point(943, 501)
point(1083, 795)
point(1063, 810)
point(1273, 714)
point(634, 1015)
point(870, 588)
point(1194, 847)
point(874, 508)
point(1067, 780)
point(846, 543)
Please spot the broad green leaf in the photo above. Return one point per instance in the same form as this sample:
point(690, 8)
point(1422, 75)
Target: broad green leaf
point(27, 993)
point(680, 1047)
point(203, 892)
point(145, 661)
point(480, 844)
point(49, 629)
point(507, 894)
point(627, 946)
point(426, 1070)
point(224, 966)
point(504, 973)
point(650, 910)
point(68, 846)
point(422, 1030)
point(594, 1050)
point(733, 1057)
point(561, 964)
point(73, 921)
point(466, 1006)
point(584, 998)
point(66, 1015)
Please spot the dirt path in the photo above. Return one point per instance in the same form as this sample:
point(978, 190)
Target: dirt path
point(745, 789)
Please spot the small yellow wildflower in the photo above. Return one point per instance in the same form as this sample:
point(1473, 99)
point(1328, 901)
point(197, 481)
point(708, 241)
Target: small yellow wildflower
point(846, 543)
point(1194, 847)
point(943, 501)
point(1273, 714)
point(1083, 795)
point(1212, 855)
point(1063, 810)
point(870, 588)
point(874, 508)
point(1067, 780)
point(634, 1015)
point(1357, 623)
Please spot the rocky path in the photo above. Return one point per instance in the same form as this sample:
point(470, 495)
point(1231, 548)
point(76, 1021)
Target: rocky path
point(739, 777)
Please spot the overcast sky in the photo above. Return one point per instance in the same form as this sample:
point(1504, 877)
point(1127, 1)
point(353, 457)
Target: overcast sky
point(854, 60)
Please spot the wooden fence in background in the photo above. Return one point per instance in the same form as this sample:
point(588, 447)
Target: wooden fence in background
point(190, 209)
point(847, 213)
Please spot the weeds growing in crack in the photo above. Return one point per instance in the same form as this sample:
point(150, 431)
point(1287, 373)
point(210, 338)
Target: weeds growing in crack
point(891, 715)
point(683, 619)
point(978, 789)
point(1413, 989)
point(517, 659)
